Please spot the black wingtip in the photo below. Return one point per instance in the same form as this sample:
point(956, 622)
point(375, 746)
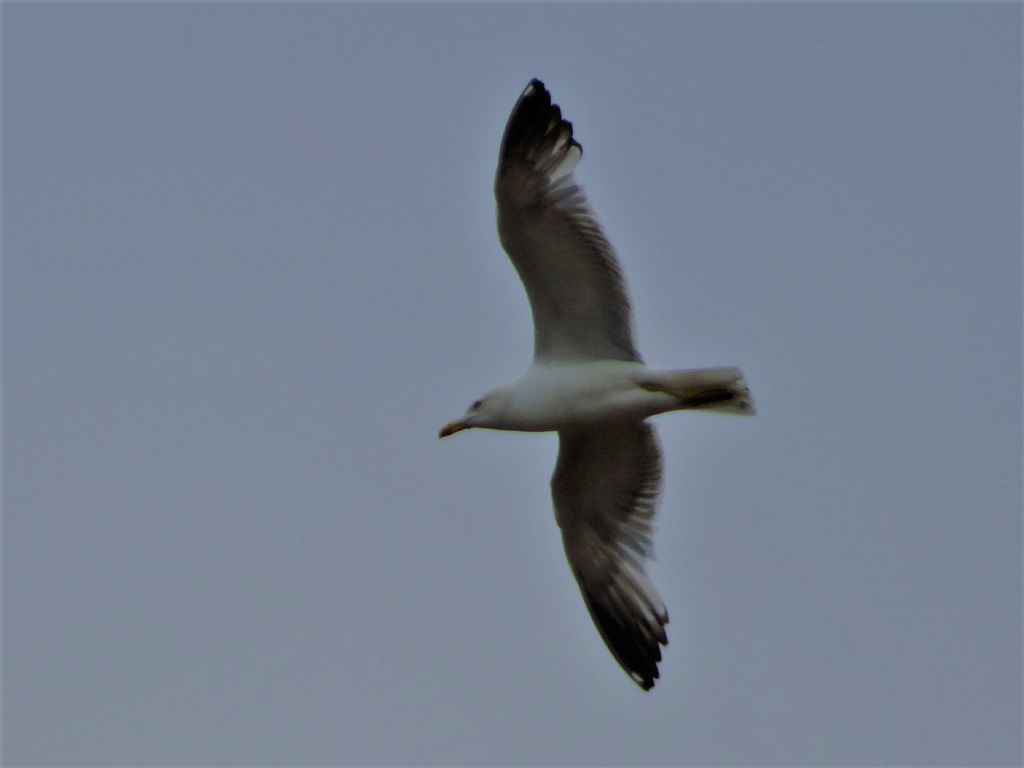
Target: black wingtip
point(636, 645)
point(535, 122)
point(530, 115)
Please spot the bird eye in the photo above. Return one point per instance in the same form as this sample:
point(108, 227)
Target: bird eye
point(476, 406)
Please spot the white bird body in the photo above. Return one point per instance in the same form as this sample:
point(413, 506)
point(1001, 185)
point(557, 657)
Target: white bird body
point(588, 382)
point(552, 396)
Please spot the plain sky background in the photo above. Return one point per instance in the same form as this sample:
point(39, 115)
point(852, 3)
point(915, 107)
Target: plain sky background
point(250, 267)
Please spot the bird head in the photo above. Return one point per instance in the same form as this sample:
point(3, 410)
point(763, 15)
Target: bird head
point(485, 412)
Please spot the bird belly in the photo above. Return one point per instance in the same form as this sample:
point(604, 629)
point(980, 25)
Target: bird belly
point(576, 395)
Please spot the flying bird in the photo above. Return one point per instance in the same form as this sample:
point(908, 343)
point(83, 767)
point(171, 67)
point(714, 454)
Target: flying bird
point(588, 382)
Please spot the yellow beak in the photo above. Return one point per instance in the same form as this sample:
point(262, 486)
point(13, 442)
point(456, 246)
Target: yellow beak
point(450, 429)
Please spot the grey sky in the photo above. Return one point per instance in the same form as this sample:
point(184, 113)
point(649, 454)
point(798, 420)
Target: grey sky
point(250, 267)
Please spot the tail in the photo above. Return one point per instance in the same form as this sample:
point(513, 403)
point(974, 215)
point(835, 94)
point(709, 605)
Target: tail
point(710, 389)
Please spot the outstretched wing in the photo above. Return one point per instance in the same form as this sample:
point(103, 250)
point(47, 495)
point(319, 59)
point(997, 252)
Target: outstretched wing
point(605, 490)
point(580, 306)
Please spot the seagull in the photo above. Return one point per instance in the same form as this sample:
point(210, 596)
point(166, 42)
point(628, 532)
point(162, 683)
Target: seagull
point(588, 383)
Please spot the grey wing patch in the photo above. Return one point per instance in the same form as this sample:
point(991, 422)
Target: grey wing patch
point(605, 490)
point(572, 277)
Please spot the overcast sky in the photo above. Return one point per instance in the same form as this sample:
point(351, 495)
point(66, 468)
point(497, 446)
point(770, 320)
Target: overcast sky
point(250, 268)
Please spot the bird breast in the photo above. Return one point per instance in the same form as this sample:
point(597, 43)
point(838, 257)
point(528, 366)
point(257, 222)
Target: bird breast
point(554, 396)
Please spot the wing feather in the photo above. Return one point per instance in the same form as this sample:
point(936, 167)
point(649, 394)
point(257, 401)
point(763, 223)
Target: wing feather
point(577, 293)
point(605, 491)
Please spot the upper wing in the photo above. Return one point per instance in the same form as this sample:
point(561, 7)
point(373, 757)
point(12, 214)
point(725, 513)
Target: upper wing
point(577, 294)
point(605, 490)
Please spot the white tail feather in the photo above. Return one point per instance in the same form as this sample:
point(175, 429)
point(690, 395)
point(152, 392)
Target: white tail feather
point(709, 389)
